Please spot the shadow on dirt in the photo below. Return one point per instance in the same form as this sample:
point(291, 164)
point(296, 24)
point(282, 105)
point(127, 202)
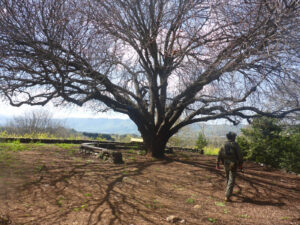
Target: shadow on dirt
point(92, 192)
point(254, 186)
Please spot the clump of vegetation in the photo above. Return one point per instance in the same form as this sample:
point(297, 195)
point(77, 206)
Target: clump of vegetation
point(221, 204)
point(267, 141)
point(38, 124)
point(190, 200)
point(212, 220)
point(210, 150)
point(201, 141)
point(155, 204)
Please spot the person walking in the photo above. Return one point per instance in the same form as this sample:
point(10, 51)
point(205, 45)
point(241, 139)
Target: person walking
point(231, 157)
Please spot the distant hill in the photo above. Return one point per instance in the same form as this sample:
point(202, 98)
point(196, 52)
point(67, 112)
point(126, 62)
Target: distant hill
point(126, 126)
point(93, 125)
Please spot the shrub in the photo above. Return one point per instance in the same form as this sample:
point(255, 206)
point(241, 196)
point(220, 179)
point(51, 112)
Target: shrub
point(267, 142)
point(201, 141)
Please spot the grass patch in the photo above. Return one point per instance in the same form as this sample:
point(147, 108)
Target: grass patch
point(221, 204)
point(132, 158)
point(190, 200)
point(285, 218)
point(209, 150)
point(126, 172)
point(153, 205)
point(59, 201)
point(142, 152)
point(8, 149)
point(6, 157)
point(178, 188)
point(212, 220)
point(132, 151)
point(39, 168)
point(226, 211)
point(76, 209)
point(245, 216)
point(66, 146)
point(14, 146)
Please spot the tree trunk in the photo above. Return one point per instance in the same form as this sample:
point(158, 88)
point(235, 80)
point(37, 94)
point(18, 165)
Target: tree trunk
point(155, 145)
point(154, 140)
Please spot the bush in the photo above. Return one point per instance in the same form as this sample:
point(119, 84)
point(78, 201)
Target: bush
point(290, 159)
point(267, 142)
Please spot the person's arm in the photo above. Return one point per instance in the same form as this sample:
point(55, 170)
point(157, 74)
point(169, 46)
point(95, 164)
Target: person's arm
point(219, 159)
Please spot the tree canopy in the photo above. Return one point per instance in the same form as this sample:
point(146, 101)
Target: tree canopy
point(164, 63)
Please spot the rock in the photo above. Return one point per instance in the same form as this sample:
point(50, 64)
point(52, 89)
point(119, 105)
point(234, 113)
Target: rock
point(129, 181)
point(133, 169)
point(173, 219)
point(197, 206)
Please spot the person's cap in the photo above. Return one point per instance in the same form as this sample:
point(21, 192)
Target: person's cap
point(231, 135)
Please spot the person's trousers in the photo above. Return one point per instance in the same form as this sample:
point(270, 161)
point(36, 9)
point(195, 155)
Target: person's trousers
point(230, 179)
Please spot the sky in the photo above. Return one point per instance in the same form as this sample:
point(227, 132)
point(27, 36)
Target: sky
point(58, 112)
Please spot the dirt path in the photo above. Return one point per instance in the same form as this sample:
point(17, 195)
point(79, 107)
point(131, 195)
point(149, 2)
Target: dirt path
point(51, 185)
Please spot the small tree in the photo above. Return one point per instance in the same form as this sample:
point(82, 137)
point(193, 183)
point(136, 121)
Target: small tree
point(38, 121)
point(201, 141)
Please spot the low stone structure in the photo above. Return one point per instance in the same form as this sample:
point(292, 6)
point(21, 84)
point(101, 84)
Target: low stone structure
point(114, 156)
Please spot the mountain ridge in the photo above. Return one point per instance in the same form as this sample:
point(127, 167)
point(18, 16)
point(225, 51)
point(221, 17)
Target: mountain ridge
point(126, 126)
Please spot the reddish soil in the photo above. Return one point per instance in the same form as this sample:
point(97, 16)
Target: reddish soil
point(49, 185)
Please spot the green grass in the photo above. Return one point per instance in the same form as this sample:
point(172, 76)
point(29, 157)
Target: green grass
point(155, 204)
point(142, 152)
point(190, 200)
point(212, 220)
point(6, 157)
point(132, 158)
point(285, 218)
point(59, 201)
point(221, 204)
point(7, 151)
point(39, 135)
point(244, 216)
point(226, 211)
point(209, 150)
point(126, 172)
point(14, 146)
point(132, 151)
point(66, 146)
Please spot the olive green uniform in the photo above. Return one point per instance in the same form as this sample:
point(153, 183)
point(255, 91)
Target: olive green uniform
point(231, 161)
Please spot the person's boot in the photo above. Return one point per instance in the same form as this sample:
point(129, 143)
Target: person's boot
point(227, 199)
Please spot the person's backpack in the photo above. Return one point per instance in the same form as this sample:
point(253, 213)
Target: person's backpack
point(230, 151)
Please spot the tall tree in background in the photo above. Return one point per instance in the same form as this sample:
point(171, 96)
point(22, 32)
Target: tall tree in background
point(154, 60)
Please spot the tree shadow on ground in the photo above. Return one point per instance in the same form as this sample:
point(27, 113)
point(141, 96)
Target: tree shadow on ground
point(251, 186)
point(65, 180)
point(93, 192)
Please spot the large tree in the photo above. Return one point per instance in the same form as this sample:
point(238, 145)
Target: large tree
point(164, 63)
